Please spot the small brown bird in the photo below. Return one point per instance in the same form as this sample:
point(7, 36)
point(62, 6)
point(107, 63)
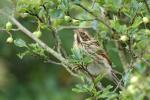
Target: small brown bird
point(101, 63)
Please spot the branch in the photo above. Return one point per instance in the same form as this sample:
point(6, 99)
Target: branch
point(53, 62)
point(145, 61)
point(96, 17)
point(72, 27)
point(147, 6)
point(64, 62)
point(3, 29)
point(42, 44)
point(57, 39)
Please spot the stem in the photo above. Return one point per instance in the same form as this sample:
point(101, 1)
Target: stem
point(53, 62)
point(42, 44)
point(35, 15)
point(147, 6)
point(72, 27)
point(63, 61)
point(96, 17)
point(145, 61)
point(48, 17)
point(91, 76)
point(58, 40)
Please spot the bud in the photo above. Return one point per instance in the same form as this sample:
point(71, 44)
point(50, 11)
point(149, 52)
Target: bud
point(8, 26)
point(9, 40)
point(134, 79)
point(67, 18)
point(74, 21)
point(131, 89)
point(37, 34)
point(145, 20)
point(24, 15)
point(124, 38)
point(135, 45)
point(147, 32)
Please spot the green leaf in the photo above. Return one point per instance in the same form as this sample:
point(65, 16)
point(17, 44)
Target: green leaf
point(21, 55)
point(83, 88)
point(99, 78)
point(36, 49)
point(107, 94)
point(77, 53)
point(87, 60)
point(79, 89)
point(20, 43)
point(57, 13)
point(137, 22)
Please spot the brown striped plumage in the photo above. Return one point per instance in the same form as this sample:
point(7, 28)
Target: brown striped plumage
point(101, 63)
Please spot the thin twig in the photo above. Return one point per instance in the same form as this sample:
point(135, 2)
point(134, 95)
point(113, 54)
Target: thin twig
point(57, 39)
point(35, 15)
point(60, 48)
point(53, 62)
point(146, 62)
point(93, 3)
point(72, 27)
point(47, 14)
point(3, 29)
point(147, 6)
point(96, 17)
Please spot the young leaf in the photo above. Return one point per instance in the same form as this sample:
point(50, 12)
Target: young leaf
point(21, 55)
point(20, 43)
point(99, 78)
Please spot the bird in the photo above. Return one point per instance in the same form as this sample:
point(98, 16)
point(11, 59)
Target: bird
point(101, 64)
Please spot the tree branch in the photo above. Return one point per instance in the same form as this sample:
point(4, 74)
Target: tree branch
point(42, 44)
point(63, 61)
